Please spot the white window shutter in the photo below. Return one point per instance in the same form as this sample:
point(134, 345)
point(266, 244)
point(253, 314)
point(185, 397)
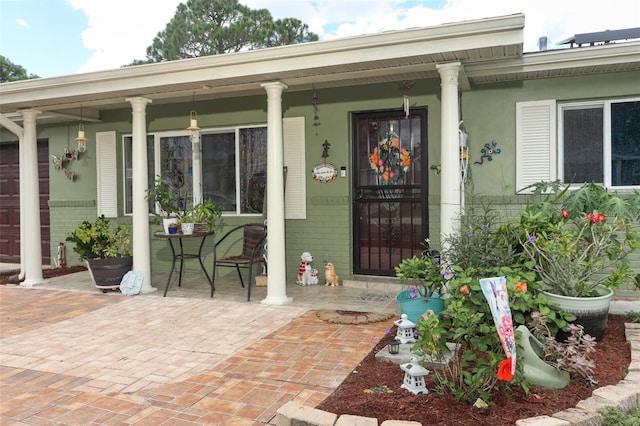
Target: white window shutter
point(295, 196)
point(536, 152)
point(106, 174)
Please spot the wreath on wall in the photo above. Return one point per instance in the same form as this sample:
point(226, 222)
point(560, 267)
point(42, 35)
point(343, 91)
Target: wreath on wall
point(389, 160)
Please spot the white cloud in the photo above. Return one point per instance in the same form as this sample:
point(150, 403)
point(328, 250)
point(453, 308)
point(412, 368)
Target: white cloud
point(22, 22)
point(120, 30)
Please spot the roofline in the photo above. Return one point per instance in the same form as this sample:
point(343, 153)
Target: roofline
point(383, 46)
point(561, 59)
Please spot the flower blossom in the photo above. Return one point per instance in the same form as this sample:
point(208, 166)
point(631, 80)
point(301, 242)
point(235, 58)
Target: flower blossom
point(521, 287)
point(504, 370)
point(595, 218)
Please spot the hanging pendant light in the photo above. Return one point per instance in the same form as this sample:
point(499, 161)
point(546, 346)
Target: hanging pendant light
point(81, 139)
point(193, 128)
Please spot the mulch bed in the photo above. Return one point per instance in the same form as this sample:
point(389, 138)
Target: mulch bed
point(12, 278)
point(365, 392)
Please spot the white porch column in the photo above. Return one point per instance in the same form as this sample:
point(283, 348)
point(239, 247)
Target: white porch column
point(276, 272)
point(450, 150)
point(141, 245)
point(30, 217)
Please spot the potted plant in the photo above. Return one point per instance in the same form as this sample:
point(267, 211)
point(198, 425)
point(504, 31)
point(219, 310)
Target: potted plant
point(206, 215)
point(186, 222)
point(429, 279)
point(579, 246)
point(161, 195)
point(105, 250)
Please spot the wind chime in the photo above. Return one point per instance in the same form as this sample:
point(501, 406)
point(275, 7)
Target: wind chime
point(405, 86)
point(62, 162)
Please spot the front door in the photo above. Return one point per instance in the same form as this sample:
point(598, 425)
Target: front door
point(390, 219)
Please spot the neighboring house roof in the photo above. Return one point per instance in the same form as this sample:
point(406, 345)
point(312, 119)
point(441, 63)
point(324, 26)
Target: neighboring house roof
point(490, 50)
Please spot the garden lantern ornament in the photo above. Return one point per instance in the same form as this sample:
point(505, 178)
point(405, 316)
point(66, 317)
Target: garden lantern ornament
point(393, 346)
point(414, 375)
point(406, 329)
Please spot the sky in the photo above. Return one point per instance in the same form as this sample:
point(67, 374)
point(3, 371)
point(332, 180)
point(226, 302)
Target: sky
point(53, 38)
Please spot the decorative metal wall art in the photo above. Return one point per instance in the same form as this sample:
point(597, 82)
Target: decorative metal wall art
point(488, 152)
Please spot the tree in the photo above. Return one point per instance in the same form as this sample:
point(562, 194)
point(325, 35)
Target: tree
point(210, 27)
point(12, 72)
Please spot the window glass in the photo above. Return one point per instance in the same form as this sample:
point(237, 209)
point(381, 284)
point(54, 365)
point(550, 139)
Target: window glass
point(176, 168)
point(219, 169)
point(583, 145)
point(253, 157)
point(128, 170)
point(593, 133)
point(625, 143)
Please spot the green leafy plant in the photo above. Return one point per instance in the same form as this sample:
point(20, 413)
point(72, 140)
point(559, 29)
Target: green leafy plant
point(614, 416)
point(571, 355)
point(481, 242)
point(633, 317)
point(580, 240)
point(208, 213)
point(162, 196)
point(467, 322)
point(426, 272)
point(100, 240)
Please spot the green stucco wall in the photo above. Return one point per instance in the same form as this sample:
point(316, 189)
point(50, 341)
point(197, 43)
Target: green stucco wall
point(488, 113)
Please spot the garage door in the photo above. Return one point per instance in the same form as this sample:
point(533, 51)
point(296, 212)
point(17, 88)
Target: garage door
point(10, 202)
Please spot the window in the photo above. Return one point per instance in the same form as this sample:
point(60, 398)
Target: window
point(601, 143)
point(596, 142)
point(234, 165)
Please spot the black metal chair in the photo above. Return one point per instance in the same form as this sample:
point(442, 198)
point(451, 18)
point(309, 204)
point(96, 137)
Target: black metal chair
point(253, 237)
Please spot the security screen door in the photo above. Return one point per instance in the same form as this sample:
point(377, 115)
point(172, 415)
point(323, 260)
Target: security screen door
point(390, 219)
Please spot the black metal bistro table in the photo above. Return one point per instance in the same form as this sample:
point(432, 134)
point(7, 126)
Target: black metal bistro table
point(181, 255)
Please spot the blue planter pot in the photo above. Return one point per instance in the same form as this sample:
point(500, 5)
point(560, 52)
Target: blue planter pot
point(414, 308)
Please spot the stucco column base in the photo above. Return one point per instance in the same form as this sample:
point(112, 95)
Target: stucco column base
point(276, 301)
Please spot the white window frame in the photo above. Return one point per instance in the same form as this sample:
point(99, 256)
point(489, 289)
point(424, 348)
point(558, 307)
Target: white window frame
point(606, 131)
point(294, 159)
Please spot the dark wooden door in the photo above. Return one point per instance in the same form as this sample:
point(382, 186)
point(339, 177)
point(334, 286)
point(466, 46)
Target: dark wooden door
point(390, 218)
point(10, 202)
